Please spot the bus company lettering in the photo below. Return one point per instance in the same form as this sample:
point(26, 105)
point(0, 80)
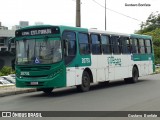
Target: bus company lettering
point(86, 60)
point(114, 61)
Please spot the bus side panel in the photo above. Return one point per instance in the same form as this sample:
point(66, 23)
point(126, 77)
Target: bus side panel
point(120, 66)
point(102, 68)
point(71, 76)
point(74, 75)
point(144, 62)
point(79, 72)
point(94, 67)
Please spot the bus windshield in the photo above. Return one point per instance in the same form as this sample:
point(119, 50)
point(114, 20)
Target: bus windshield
point(38, 51)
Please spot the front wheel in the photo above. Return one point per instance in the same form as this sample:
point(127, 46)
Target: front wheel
point(47, 90)
point(85, 86)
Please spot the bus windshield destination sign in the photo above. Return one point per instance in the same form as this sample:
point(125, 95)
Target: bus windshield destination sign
point(38, 31)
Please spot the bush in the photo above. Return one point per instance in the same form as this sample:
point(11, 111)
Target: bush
point(6, 71)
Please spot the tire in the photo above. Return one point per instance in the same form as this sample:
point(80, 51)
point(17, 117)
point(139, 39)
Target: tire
point(85, 86)
point(47, 90)
point(134, 77)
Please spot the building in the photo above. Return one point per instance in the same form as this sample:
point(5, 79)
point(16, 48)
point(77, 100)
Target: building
point(38, 23)
point(5, 56)
point(16, 27)
point(21, 25)
point(3, 27)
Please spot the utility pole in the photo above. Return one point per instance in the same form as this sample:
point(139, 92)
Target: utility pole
point(105, 17)
point(78, 13)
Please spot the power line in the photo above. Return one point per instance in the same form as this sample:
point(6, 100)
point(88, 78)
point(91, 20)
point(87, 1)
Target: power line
point(116, 11)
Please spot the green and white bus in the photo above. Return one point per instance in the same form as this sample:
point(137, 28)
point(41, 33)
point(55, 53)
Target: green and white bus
point(49, 57)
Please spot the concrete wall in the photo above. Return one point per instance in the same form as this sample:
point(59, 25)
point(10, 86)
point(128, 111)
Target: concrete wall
point(6, 61)
point(7, 33)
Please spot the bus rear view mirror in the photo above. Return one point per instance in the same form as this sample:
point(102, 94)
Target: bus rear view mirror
point(65, 47)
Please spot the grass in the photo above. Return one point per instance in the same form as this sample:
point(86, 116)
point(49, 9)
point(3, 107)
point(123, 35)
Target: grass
point(157, 70)
point(6, 86)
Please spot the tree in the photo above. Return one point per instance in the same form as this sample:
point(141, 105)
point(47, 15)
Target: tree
point(152, 22)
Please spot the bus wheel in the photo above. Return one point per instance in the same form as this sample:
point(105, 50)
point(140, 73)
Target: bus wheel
point(84, 87)
point(134, 77)
point(47, 90)
point(135, 74)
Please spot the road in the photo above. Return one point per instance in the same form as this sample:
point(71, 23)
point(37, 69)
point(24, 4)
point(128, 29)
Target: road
point(117, 96)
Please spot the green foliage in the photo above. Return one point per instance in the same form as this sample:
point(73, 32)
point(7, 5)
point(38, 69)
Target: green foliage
point(157, 70)
point(152, 22)
point(6, 71)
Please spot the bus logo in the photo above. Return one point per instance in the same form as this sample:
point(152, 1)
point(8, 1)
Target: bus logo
point(114, 61)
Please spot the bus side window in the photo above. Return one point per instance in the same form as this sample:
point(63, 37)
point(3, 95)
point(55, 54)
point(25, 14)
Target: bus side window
point(84, 46)
point(125, 43)
point(141, 46)
point(105, 41)
point(135, 46)
point(115, 44)
point(148, 46)
point(96, 47)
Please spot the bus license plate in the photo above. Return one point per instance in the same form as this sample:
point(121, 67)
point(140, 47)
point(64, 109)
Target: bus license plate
point(34, 83)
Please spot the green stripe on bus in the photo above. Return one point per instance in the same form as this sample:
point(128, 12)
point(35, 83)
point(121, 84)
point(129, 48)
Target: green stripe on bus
point(143, 57)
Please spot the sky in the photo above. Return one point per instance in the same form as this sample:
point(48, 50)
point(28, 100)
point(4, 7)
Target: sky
point(62, 12)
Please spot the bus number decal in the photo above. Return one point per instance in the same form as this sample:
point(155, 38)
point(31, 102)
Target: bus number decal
point(85, 60)
point(25, 73)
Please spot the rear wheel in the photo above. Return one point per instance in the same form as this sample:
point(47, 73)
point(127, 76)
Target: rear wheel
point(134, 77)
point(85, 86)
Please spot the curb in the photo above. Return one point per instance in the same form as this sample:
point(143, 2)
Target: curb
point(8, 93)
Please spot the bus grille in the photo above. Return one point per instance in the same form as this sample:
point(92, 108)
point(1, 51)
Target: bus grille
point(35, 68)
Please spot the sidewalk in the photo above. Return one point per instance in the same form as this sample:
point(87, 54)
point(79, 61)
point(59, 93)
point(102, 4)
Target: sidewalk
point(12, 90)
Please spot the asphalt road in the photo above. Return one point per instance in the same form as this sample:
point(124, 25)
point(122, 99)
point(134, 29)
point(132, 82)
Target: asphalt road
point(117, 96)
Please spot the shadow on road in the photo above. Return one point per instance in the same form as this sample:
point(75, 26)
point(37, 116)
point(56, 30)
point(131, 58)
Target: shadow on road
point(61, 92)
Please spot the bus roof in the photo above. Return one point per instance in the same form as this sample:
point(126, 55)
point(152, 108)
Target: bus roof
point(35, 26)
point(62, 27)
point(141, 36)
point(107, 32)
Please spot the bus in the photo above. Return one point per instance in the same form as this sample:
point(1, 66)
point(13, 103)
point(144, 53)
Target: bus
point(49, 57)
